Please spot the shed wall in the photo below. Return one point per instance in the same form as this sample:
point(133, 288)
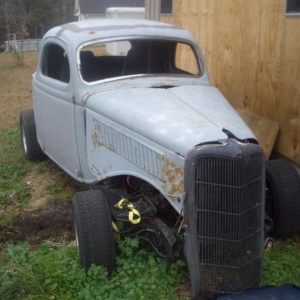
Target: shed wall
point(252, 51)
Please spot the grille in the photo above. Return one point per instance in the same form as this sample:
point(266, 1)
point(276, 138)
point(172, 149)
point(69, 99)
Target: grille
point(228, 202)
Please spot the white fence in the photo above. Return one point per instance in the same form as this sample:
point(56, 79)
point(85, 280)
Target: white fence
point(26, 45)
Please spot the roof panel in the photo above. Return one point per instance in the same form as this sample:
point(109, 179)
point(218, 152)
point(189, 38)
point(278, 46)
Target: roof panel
point(80, 32)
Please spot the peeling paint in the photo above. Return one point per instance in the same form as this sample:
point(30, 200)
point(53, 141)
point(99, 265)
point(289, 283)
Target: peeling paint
point(95, 136)
point(174, 174)
point(95, 140)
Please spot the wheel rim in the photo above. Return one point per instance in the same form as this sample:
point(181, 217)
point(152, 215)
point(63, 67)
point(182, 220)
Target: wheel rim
point(24, 140)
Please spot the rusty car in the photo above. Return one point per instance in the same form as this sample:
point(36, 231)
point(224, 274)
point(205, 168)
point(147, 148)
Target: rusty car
point(126, 107)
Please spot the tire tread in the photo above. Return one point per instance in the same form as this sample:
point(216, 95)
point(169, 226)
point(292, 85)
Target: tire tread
point(94, 227)
point(285, 183)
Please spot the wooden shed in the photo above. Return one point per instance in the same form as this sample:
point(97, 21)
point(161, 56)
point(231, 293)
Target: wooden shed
point(252, 51)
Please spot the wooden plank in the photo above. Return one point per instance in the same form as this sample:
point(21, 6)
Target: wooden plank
point(288, 101)
point(266, 131)
point(230, 34)
point(270, 59)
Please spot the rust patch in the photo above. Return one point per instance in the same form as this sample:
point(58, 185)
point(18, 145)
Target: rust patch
point(97, 126)
point(95, 140)
point(111, 148)
point(174, 175)
point(95, 137)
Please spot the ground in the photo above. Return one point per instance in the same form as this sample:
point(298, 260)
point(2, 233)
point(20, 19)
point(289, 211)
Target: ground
point(54, 224)
point(46, 217)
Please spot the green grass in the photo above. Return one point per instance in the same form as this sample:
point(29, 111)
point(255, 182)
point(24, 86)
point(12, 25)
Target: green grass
point(54, 273)
point(282, 264)
point(14, 190)
point(13, 168)
point(14, 59)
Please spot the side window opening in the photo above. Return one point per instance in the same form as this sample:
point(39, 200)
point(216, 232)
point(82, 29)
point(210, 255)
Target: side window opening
point(56, 63)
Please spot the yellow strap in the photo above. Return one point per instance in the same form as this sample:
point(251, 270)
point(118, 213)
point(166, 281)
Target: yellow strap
point(116, 229)
point(133, 215)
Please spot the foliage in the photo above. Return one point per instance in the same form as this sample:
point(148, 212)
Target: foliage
point(31, 18)
point(282, 264)
point(54, 273)
point(12, 169)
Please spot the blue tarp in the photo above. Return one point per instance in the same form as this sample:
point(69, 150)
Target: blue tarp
point(284, 292)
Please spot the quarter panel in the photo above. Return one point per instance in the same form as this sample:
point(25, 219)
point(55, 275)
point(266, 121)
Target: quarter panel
point(115, 150)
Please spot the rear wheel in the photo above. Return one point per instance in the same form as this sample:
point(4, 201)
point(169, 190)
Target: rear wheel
point(282, 198)
point(31, 148)
point(93, 230)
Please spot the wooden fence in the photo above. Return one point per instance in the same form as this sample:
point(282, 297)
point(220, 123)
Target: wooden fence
point(252, 51)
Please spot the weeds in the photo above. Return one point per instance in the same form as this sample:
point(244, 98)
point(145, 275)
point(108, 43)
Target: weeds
point(282, 264)
point(14, 193)
point(54, 273)
point(11, 60)
point(54, 188)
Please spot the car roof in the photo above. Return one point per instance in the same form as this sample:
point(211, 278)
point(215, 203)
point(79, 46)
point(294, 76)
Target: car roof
point(83, 31)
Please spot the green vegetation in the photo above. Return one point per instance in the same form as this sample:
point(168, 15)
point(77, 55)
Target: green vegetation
point(282, 264)
point(54, 273)
point(13, 168)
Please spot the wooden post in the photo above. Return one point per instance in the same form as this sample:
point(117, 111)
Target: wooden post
point(152, 8)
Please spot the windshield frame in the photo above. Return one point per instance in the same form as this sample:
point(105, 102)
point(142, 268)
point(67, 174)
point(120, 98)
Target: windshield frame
point(194, 47)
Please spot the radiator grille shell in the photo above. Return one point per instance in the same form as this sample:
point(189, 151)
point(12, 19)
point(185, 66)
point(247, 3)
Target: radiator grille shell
point(224, 213)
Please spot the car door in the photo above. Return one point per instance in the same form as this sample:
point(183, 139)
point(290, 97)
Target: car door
point(54, 106)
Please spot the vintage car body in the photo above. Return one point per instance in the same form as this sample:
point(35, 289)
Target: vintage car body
point(173, 131)
point(168, 125)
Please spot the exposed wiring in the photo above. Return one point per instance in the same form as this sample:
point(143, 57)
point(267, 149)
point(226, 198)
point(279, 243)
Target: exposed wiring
point(128, 182)
point(154, 247)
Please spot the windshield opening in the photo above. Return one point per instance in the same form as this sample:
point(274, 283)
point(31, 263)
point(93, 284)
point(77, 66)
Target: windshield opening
point(132, 57)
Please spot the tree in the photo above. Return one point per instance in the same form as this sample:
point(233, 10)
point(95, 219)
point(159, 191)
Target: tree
point(34, 17)
point(15, 17)
point(5, 13)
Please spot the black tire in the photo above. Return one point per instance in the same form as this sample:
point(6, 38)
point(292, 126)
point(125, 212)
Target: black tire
point(30, 146)
point(93, 230)
point(283, 198)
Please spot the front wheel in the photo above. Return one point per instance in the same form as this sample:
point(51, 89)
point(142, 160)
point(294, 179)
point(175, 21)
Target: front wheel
point(93, 230)
point(282, 198)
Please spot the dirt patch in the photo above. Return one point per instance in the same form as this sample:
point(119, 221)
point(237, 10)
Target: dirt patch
point(39, 186)
point(53, 224)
